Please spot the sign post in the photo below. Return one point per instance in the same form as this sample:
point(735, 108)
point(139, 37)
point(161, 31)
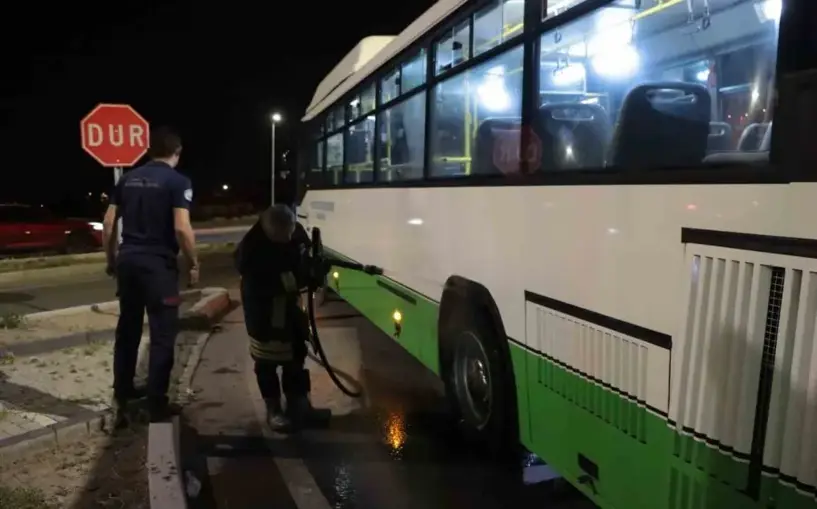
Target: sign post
point(117, 137)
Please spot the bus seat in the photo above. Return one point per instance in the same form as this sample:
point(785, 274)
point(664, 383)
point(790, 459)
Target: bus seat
point(578, 135)
point(758, 156)
point(720, 137)
point(766, 144)
point(662, 125)
point(488, 132)
point(752, 137)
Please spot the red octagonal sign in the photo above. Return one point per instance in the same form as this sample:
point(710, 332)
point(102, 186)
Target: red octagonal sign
point(115, 135)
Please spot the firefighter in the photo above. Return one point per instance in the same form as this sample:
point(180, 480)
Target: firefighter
point(153, 202)
point(274, 268)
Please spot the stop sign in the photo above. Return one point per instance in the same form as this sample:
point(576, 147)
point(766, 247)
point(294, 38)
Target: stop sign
point(115, 135)
point(515, 145)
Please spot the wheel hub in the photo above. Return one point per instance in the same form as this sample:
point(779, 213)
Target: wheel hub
point(473, 380)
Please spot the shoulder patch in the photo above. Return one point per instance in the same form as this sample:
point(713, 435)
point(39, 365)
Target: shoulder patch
point(188, 194)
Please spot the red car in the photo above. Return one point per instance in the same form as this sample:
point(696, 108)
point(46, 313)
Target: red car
point(25, 228)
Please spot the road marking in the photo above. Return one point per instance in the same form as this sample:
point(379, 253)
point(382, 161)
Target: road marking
point(302, 486)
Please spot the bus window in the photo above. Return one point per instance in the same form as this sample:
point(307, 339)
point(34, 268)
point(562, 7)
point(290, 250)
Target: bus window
point(390, 87)
point(678, 94)
point(367, 100)
point(413, 73)
point(469, 110)
point(360, 152)
point(453, 48)
point(496, 23)
point(316, 161)
point(402, 140)
point(339, 117)
point(334, 159)
point(552, 8)
point(353, 109)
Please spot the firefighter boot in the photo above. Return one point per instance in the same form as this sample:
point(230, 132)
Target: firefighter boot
point(276, 418)
point(299, 409)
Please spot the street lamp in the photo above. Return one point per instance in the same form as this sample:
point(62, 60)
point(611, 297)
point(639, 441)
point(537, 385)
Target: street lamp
point(276, 117)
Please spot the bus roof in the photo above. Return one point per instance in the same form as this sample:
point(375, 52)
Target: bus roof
point(370, 54)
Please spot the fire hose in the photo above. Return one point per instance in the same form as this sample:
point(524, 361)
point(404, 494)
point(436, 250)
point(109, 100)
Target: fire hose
point(319, 262)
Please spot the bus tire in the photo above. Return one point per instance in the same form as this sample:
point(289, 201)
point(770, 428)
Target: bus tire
point(478, 379)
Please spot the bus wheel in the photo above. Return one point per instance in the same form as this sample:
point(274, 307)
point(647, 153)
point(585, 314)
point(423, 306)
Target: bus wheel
point(478, 382)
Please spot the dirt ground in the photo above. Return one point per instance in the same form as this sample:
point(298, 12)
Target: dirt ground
point(99, 473)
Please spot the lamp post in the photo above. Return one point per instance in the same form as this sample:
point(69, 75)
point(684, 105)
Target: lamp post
point(275, 117)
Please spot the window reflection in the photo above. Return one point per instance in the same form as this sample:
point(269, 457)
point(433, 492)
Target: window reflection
point(402, 140)
point(390, 87)
point(334, 158)
point(360, 152)
point(496, 23)
point(453, 48)
point(413, 73)
point(471, 110)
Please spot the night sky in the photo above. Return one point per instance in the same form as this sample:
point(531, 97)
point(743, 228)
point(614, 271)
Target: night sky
point(214, 70)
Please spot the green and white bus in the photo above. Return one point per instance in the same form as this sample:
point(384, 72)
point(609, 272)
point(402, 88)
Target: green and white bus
point(592, 233)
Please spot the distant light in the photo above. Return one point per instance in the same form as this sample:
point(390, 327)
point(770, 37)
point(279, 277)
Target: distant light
point(225, 187)
point(90, 194)
point(415, 221)
point(276, 117)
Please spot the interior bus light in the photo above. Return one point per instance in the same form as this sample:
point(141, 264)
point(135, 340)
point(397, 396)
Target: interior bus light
point(397, 318)
point(769, 10)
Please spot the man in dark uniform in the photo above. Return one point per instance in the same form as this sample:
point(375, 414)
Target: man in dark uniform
point(274, 269)
point(154, 204)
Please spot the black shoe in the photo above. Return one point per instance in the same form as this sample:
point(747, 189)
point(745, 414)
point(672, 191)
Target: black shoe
point(276, 419)
point(132, 394)
point(163, 412)
point(302, 414)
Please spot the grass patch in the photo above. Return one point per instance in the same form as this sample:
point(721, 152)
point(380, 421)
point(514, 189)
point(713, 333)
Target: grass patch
point(12, 321)
point(24, 498)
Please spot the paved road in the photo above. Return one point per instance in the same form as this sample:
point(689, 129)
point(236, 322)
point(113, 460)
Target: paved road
point(217, 270)
point(394, 449)
point(220, 235)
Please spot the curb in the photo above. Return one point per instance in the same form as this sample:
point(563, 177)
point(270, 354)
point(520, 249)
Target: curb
point(92, 422)
point(214, 303)
point(54, 435)
point(165, 482)
point(99, 307)
point(183, 389)
point(81, 338)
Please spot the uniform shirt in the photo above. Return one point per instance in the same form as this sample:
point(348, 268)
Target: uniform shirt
point(145, 198)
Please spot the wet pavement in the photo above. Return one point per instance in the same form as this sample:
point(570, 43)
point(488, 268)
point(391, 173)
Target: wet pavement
point(395, 448)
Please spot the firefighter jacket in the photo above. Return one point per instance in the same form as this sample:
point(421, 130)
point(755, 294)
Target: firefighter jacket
point(272, 276)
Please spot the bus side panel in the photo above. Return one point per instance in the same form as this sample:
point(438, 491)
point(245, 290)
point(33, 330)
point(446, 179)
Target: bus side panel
point(378, 298)
point(586, 431)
